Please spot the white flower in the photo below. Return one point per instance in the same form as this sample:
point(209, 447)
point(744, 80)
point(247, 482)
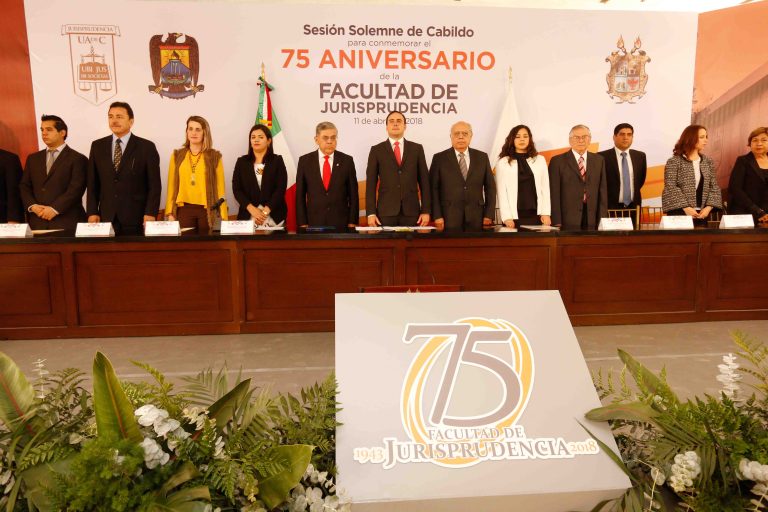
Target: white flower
point(75, 438)
point(162, 427)
point(753, 470)
point(153, 453)
point(196, 416)
point(729, 377)
point(686, 468)
point(658, 476)
point(7, 480)
point(176, 437)
point(299, 504)
point(218, 451)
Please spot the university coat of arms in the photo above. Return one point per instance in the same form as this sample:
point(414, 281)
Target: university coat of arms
point(92, 60)
point(627, 77)
point(175, 66)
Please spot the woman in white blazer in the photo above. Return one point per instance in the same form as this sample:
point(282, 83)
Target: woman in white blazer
point(522, 181)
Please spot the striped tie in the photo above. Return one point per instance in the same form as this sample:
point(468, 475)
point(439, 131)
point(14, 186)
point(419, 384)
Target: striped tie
point(583, 173)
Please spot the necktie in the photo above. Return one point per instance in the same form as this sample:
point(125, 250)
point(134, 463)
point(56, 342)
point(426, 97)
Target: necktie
point(583, 173)
point(398, 156)
point(118, 154)
point(463, 166)
point(51, 159)
point(627, 195)
point(326, 172)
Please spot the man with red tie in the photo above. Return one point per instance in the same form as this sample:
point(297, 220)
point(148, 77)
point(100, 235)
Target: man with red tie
point(398, 168)
point(326, 184)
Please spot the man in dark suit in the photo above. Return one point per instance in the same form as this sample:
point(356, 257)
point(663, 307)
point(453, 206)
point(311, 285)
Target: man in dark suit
point(123, 176)
point(326, 184)
point(577, 184)
point(54, 180)
point(11, 211)
point(625, 170)
point(399, 169)
point(463, 188)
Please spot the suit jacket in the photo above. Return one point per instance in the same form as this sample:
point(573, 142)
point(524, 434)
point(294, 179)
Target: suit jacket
point(567, 190)
point(399, 186)
point(338, 206)
point(62, 189)
point(613, 176)
point(462, 203)
point(507, 184)
point(274, 181)
point(680, 184)
point(130, 193)
point(748, 188)
point(10, 201)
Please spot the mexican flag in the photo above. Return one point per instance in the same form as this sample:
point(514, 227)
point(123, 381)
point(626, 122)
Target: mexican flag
point(266, 116)
point(510, 118)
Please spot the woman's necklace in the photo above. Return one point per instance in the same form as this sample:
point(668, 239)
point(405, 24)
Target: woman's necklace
point(193, 163)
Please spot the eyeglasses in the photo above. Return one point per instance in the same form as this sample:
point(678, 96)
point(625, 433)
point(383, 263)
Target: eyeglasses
point(581, 137)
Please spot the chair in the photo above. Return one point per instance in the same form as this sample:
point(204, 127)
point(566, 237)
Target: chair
point(619, 213)
point(651, 215)
point(412, 288)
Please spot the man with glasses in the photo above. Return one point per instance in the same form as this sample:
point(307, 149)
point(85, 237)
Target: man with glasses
point(398, 169)
point(326, 184)
point(577, 185)
point(463, 188)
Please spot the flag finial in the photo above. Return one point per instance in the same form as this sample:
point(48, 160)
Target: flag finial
point(509, 73)
point(263, 72)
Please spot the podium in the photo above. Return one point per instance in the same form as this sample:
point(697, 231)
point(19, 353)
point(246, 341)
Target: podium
point(466, 401)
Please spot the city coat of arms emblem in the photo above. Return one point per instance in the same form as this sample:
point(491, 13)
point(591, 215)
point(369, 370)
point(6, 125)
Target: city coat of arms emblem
point(92, 60)
point(175, 63)
point(627, 77)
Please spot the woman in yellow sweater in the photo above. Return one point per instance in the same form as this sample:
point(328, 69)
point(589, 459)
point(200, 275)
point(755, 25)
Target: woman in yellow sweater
point(196, 180)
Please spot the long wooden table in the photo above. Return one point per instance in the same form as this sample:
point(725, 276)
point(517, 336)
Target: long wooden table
point(135, 286)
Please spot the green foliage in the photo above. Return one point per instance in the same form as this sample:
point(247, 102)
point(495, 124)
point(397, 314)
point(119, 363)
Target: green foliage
point(652, 426)
point(241, 448)
point(113, 410)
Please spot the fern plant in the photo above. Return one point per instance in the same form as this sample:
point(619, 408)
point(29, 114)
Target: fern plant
point(694, 451)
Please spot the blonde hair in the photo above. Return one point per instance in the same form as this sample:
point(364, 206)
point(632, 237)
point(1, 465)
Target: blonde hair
point(207, 137)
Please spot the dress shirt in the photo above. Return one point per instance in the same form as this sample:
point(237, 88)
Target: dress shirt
point(259, 175)
point(466, 157)
point(124, 144)
point(575, 154)
point(321, 160)
point(621, 176)
point(402, 146)
point(697, 171)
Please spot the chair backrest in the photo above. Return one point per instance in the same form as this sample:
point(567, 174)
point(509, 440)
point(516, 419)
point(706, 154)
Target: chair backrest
point(629, 213)
point(651, 214)
point(412, 288)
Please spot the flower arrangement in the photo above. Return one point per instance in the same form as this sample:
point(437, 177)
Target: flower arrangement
point(207, 447)
point(706, 454)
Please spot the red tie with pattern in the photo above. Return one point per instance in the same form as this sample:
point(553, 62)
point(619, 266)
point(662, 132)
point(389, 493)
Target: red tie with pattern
point(398, 156)
point(583, 173)
point(326, 172)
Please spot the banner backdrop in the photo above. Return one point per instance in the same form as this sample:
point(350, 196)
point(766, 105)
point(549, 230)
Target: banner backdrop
point(351, 64)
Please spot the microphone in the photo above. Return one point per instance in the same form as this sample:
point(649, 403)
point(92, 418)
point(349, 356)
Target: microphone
point(217, 204)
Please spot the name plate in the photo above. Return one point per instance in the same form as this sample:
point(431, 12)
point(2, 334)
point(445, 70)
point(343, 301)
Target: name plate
point(737, 221)
point(162, 228)
point(615, 224)
point(94, 229)
point(237, 227)
point(676, 222)
point(15, 231)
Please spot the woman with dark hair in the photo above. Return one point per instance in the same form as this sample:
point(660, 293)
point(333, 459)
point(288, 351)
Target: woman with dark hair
point(748, 187)
point(196, 180)
point(690, 184)
point(260, 179)
point(522, 181)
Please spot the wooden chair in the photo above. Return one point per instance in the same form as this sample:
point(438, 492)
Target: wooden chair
point(650, 215)
point(619, 213)
point(412, 288)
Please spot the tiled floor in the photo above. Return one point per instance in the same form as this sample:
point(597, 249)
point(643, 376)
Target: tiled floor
point(287, 362)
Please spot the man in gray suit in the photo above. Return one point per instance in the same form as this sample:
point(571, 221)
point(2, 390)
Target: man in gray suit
point(463, 188)
point(577, 184)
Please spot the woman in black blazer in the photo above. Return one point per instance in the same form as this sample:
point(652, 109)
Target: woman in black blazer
point(260, 179)
point(748, 187)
